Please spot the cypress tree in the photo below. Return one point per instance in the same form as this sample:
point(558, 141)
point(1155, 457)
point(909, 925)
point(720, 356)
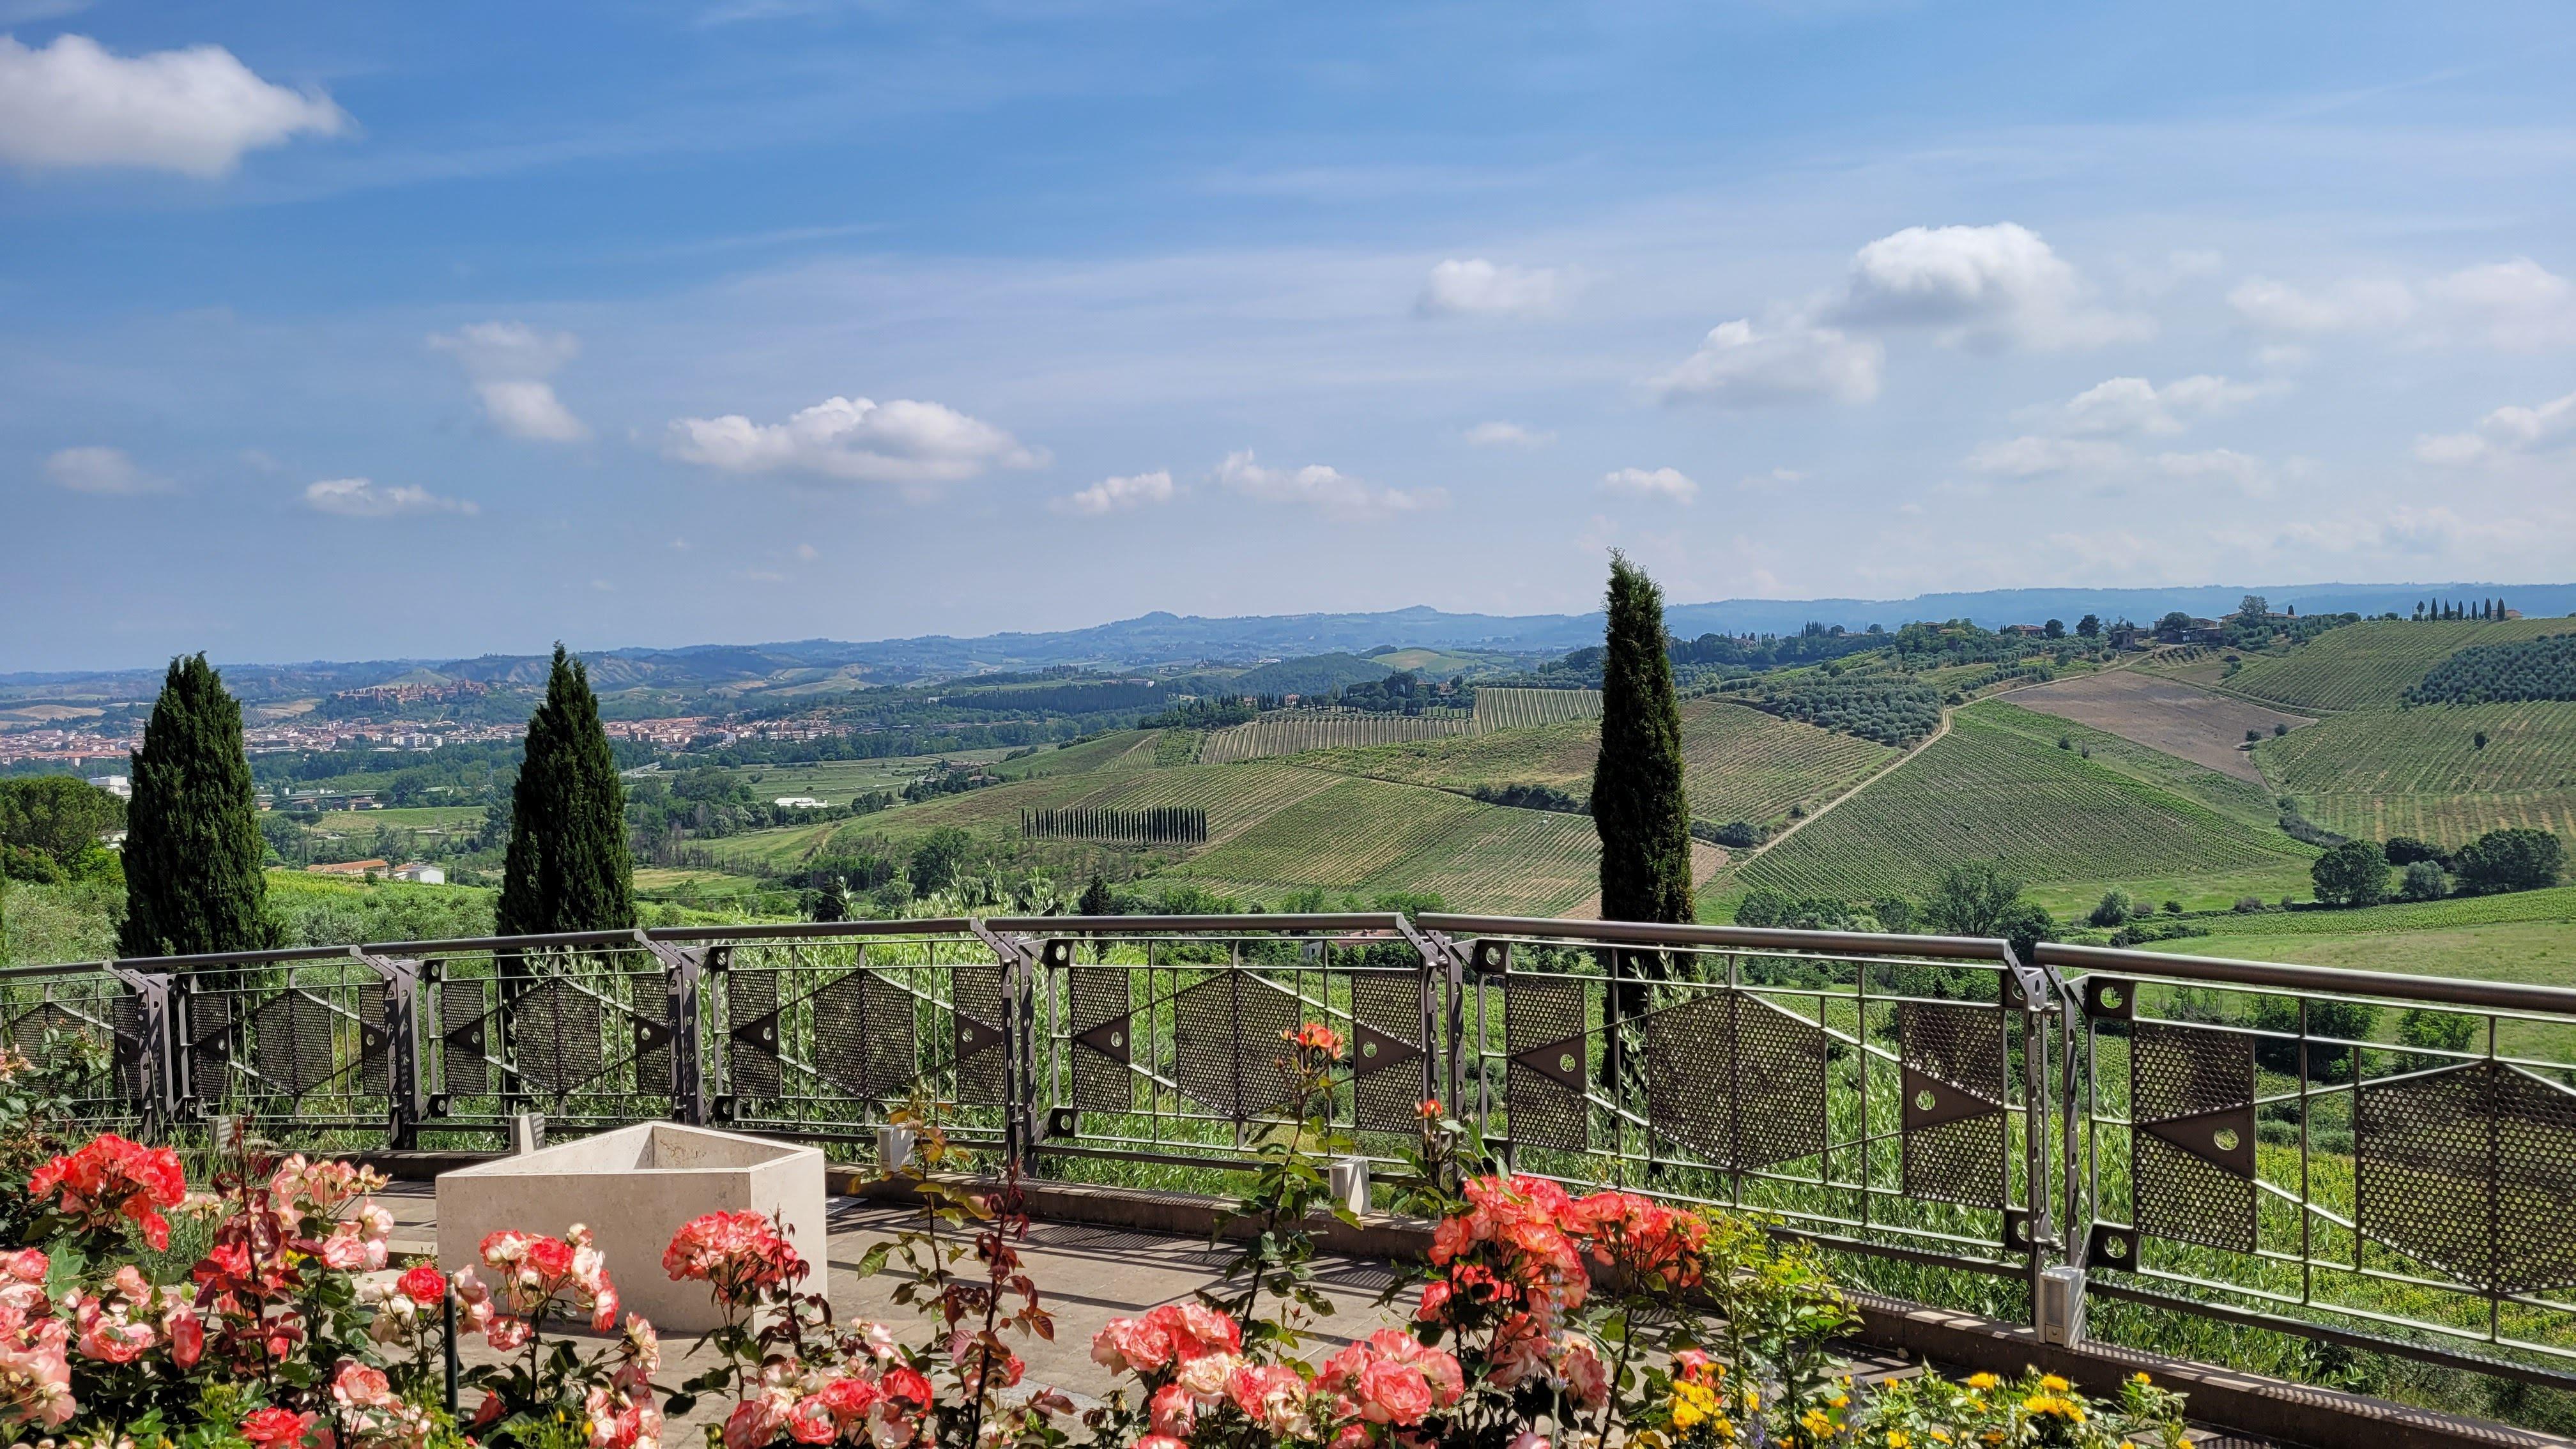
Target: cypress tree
point(1637, 800)
point(193, 881)
point(568, 867)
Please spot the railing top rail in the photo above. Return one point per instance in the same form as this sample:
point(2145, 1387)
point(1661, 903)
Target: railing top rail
point(2386, 985)
point(469, 944)
point(1622, 933)
point(275, 956)
point(55, 968)
point(1388, 921)
point(813, 930)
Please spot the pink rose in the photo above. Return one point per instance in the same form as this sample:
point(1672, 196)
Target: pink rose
point(1174, 1411)
point(1393, 1393)
point(751, 1424)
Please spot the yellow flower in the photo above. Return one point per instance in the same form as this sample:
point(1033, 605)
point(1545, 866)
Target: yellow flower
point(1693, 1404)
point(1838, 1401)
point(1815, 1422)
point(1898, 1439)
point(1981, 1381)
point(2140, 1377)
point(1940, 1436)
point(2054, 1384)
point(2044, 1404)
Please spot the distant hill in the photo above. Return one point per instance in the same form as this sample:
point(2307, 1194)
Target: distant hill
point(1164, 638)
point(1314, 674)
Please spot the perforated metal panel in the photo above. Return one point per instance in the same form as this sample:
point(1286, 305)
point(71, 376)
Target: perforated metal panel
point(2191, 1094)
point(2471, 1169)
point(1228, 1047)
point(1387, 1050)
point(210, 1046)
point(554, 1030)
point(863, 1035)
point(983, 1068)
point(751, 1026)
point(1954, 1081)
point(291, 1036)
point(1103, 1021)
point(649, 995)
point(1736, 1080)
point(464, 1066)
point(1543, 1029)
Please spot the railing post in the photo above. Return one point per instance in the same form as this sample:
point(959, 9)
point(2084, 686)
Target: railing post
point(1440, 972)
point(683, 1007)
point(150, 1075)
point(1017, 956)
point(2056, 1290)
point(407, 1097)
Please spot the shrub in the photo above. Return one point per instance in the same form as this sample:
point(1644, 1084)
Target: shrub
point(2423, 880)
point(2327, 1017)
point(2114, 909)
point(2508, 860)
point(2248, 905)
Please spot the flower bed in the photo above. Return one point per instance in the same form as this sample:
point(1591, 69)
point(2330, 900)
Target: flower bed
point(1543, 1321)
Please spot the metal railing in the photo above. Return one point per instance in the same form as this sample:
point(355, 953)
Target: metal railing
point(2378, 1160)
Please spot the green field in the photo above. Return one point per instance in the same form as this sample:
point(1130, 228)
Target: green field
point(2528, 936)
point(407, 817)
point(2421, 771)
point(1997, 788)
point(838, 781)
point(2370, 665)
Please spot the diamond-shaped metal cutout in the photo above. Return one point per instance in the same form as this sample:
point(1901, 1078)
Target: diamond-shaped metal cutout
point(1736, 1079)
point(1228, 1046)
point(1543, 1029)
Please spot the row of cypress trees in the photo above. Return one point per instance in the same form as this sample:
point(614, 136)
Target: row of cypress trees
point(193, 878)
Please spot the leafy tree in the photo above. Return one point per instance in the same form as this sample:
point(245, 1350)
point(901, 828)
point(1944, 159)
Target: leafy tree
point(2508, 860)
point(2054, 628)
point(2403, 850)
point(2423, 880)
point(1977, 899)
point(58, 815)
point(2354, 873)
point(831, 903)
point(2174, 622)
point(2090, 626)
point(2114, 909)
point(938, 858)
point(2423, 1026)
point(2254, 607)
point(1638, 806)
point(193, 851)
point(2327, 1016)
point(568, 866)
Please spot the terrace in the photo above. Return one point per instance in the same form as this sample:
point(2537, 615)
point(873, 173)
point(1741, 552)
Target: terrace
point(2067, 1161)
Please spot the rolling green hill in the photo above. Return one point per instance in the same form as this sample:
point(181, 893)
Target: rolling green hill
point(2371, 664)
point(2422, 772)
point(1997, 788)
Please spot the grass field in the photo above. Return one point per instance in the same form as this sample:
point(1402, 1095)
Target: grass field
point(408, 817)
point(838, 781)
point(2370, 665)
point(2163, 714)
point(1991, 790)
point(2528, 936)
point(1512, 709)
point(2421, 772)
point(1369, 836)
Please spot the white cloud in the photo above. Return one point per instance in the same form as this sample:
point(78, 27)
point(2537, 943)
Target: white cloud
point(507, 364)
point(1658, 482)
point(2360, 305)
point(2034, 456)
point(2515, 306)
point(855, 440)
point(365, 498)
point(1981, 286)
point(1329, 490)
point(1116, 495)
point(2502, 433)
point(2252, 476)
point(1480, 288)
point(2129, 405)
point(1507, 435)
point(193, 111)
point(1741, 365)
point(100, 470)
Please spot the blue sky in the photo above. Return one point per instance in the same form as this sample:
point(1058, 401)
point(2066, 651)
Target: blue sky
point(361, 330)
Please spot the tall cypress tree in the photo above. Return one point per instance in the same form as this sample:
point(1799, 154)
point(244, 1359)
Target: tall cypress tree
point(193, 881)
point(568, 867)
point(1637, 800)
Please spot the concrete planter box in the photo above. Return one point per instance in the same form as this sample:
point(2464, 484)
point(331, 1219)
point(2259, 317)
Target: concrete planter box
point(635, 1187)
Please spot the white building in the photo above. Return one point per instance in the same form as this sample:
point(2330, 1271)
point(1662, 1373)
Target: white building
point(420, 873)
point(120, 786)
point(802, 802)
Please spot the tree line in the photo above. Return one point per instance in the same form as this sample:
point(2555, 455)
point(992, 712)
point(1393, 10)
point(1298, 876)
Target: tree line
point(2526, 669)
point(1151, 825)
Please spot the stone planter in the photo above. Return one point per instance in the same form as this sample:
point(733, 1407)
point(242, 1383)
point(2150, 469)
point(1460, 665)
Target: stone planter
point(634, 1187)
